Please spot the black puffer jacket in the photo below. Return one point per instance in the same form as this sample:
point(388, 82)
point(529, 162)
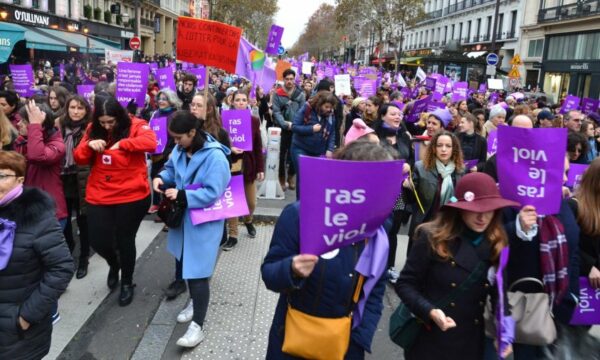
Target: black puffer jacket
point(37, 273)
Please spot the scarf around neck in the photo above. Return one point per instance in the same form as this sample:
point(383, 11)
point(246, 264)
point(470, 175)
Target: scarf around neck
point(70, 135)
point(445, 171)
point(554, 257)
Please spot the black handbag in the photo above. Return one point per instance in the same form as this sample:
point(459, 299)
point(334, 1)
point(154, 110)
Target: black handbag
point(171, 212)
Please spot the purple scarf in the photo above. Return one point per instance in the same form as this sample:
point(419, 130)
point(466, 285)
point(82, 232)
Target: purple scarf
point(371, 265)
point(7, 228)
point(554, 258)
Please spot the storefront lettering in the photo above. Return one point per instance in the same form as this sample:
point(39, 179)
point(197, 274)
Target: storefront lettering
point(5, 42)
point(583, 66)
point(32, 18)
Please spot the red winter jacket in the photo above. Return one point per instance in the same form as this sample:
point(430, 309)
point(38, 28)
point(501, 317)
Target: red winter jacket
point(118, 176)
point(44, 153)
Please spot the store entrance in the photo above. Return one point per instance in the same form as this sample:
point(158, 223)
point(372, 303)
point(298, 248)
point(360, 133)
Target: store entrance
point(556, 85)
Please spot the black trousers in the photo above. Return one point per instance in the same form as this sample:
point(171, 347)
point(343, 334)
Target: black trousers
point(285, 156)
point(200, 293)
point(112, 231)
point(82, 224)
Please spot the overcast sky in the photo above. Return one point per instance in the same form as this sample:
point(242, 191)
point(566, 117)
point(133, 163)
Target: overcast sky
point(293, 15)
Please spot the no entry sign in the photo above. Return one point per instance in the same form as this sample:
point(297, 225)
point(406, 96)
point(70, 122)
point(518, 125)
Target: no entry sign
point(134, 43)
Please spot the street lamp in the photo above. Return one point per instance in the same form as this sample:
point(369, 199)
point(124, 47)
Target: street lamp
point(87, 44)
point(3, 14)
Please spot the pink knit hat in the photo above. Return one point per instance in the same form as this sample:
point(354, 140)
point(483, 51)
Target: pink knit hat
point(358, 129)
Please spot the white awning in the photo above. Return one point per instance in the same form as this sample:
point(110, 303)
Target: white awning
point(475, 54)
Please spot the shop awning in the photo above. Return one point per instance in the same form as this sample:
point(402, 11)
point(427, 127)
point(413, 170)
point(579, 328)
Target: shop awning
point(9, 36)
point(475, 54)
point(79, 41)
point(415, 60)
point(35, 39)
point(113, 45)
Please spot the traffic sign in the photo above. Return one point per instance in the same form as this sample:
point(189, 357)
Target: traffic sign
point(516, 60)
point(281, 50)
point(492, 59)
point(514, 82)
point(134, 43)
point(514, 73)
point(490, 70)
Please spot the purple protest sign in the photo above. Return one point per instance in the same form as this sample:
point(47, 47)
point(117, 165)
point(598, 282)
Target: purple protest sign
point(482, 88)
point(440, 84)
point(231, 204)
point(493, 99)
point(352, 206)
point(132, 83)
point(329, 71)
point(61, 71)
point(576, 172)
point(433, 105)
point(399, 104)
point(364, 86)
point(531, 166)
point(419, 107)
point(587, 311)
point(22, 77)
point(200, 74)
point(589, 105)
point(87, 91)
point(469, 164)
point(238, 124)
point(153, 67)
point(492, 143)
point(407, 93)
point(430, 83)
point(274, 40)
point(459, 91)
point(571, 102)
point(159, 126)
point(165, 79)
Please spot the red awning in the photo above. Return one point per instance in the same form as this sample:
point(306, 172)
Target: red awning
point(376, 61)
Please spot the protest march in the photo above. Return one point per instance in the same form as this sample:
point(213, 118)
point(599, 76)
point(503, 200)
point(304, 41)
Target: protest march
point(471, 201)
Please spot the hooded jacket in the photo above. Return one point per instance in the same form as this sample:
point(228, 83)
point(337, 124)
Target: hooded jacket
point(285, 107)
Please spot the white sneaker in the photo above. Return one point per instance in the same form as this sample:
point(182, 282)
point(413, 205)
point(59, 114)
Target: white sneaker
point(187, 313)
point(393, 275)
point(192, 337)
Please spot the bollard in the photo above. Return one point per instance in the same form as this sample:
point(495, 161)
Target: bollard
point(270, 188)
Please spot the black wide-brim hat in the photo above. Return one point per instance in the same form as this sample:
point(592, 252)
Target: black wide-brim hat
point(477, 192)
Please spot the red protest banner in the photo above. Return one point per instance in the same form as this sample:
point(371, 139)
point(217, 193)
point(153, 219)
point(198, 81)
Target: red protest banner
point(209, 43)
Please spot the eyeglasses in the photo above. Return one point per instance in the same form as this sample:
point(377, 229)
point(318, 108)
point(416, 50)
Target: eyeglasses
point(5, 176)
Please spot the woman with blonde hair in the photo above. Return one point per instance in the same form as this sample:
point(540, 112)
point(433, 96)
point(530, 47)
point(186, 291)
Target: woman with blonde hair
point(8, 133)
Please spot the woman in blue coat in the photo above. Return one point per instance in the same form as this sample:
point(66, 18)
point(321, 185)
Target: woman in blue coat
point(197, 159)
point(324, 286)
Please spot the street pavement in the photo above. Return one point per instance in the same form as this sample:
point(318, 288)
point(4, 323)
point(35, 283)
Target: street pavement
point(93, 326)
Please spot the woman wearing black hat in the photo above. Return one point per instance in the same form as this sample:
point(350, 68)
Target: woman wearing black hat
point(449, 260)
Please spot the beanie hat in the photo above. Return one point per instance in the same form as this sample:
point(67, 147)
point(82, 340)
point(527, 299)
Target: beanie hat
point(443, 115)
point(358, 129)
point(496, 111)
point(357, 101)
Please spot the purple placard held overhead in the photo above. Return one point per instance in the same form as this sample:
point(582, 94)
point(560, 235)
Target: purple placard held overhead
point(87, 91)
point(571, 102)
point(200, 74)
point(576, 172)
point(231, 204)
point(589, 105)
point(61, 71)
point(407, 93)
point(159, 126)
point(433, 105)
point(274, 40)
point(153, 67)
point(22, 77)
point(364, 86)
point(419, 107)
point(165, 79)
point(587, 311)
point(482, 88)
point(493, 99)
point(238, 124)
point(459, 91)
point(531, 166)
point(132, 83)
point(492, 143)
point(440, 84)
point(344, 205)
point(430, 83)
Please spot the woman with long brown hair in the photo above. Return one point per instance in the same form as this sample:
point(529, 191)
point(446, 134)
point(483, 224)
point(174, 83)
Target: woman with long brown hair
point(444, 282)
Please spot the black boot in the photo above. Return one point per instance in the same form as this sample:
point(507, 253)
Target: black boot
point(126, 295)
point(82, 268)
point(175, 288)
point(251, 230)
point(113, 277)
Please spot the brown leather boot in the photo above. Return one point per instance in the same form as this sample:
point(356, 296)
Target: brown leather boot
point(282, 182)
point(292, 182)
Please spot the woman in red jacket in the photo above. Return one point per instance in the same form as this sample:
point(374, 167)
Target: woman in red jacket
point(117, 192)
point(42, 145)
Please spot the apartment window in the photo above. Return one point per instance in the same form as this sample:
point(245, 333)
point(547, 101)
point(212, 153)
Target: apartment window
point(489, 26)
point(535, 48)
point(460, 34)
point(500, 24)
point(513, 22)
point(478, 27)
point(469, 30)
point(35, 4)
point(446, 33)
point(574, 47)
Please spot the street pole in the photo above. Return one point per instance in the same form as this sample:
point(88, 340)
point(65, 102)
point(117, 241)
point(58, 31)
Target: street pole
point(495, 26)
point(136, 29)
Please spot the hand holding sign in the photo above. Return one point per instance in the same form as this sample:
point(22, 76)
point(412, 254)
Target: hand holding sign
point(304, 264)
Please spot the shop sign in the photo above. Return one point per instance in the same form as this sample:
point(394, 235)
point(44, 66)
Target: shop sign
point(581, 66)
point(39, 19)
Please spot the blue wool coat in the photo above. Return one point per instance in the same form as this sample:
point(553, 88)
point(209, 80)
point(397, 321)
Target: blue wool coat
point(198, 245)
point(327, 292)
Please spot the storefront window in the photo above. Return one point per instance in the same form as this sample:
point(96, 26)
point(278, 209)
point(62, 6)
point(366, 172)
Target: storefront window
point(574, 47)
point(556, 85)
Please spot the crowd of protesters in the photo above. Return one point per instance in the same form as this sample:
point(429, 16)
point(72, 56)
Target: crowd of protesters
point(91, 162)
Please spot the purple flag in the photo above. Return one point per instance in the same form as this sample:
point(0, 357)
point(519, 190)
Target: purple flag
point(132, 82)
point(353, 206)
point(22, 77)
point(86, 91)
point(231, 204)
point(238, 124)
point(274, 40)
point(587, 311)
point(159, 126)
point(433, 105)
point(492, 143)
point(440, 84)
point(531, 166)
point(364, 86)
point(589, 106)
point(571, 102)
point(430, 83)
point(200, 74)
point(576, 172)
point(165, 79)
point(419, 107)
point(459, 91)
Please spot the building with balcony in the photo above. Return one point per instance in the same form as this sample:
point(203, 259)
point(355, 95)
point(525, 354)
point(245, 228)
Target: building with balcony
point(459, 33)
point(561, 47)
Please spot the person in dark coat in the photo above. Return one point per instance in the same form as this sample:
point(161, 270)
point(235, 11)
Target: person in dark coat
point(466, 237)
point(35, 270)
point(473, 145)
point(324, 286)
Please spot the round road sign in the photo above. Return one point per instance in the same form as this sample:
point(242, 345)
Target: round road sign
point(281, 50)
point(134, 43)
point(492, 59)
point(514, 82)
